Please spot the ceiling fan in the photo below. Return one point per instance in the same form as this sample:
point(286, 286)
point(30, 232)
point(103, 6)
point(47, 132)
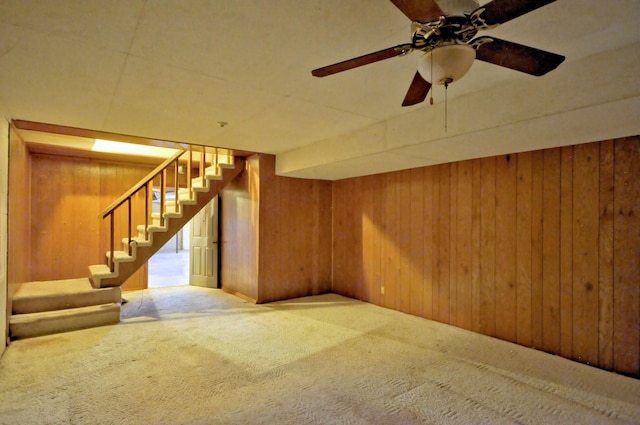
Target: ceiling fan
point(444, 30)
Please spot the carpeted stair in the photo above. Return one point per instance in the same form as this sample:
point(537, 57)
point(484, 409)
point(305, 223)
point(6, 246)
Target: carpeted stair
point(48, 307)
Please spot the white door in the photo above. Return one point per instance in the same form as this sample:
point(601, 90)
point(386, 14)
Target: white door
point(203, 265)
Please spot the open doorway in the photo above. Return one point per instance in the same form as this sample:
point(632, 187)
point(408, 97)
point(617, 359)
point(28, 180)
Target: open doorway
point(190, 257)
point(170, 265)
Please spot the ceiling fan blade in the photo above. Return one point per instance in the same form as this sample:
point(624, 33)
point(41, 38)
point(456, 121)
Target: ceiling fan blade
point(516, 56)
point(501, 11)
point(391, 52)
point(419, 10)
point(417, 91)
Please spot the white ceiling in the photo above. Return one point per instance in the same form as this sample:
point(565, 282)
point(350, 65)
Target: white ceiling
point(171, 70)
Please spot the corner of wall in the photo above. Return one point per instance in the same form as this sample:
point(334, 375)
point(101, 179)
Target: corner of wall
point(4, 204)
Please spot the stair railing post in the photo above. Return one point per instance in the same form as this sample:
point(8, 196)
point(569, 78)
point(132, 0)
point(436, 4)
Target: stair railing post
point(176, 187)
point(111, 241)
point(163, 194)
point(202, 164)
point(189, 161)
point(146, 209)
point(129, 225)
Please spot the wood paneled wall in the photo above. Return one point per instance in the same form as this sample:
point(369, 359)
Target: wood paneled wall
point(19, 211)
point(539, 248)
point(240, 203)
point(295, 235)
point(67, 196)
point(276, 234)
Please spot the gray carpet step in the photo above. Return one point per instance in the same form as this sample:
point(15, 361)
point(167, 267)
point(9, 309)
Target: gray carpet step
point(57, 321)
point(36, 297)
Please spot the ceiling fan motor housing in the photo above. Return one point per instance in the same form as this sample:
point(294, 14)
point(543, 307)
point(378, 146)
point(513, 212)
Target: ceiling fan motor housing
point(458, 7)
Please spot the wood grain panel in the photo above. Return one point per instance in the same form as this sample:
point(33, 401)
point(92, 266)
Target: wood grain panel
point(506, 259)
point(626, 338)
point(585, 253)
point(605, 255)
point(464, 243)
point(488, 247)
point(537, 192)
point(368, 234)
point(453, 242)
point(443, 247)
point(566, 252)
point(416, 229)
point(239, 232)
point(293, 242)
point(18, 260)
point(551, 252)
point(476, 224)
point(374, 185)
point(523, 249)
point(428, 280)
point(403, 200)
point(67, 195)
point(389, 289)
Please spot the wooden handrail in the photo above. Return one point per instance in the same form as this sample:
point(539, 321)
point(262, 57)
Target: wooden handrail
point(160, 171)
point(122, 199)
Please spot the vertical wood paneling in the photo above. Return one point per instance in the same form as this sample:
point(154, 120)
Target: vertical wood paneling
point(566, 252)
point(389, 248)
point(435, 247)
point(43, 217)
point(376, 242)
point(488, 247)
point(443, 275)
point(416, 229)
point(293, 227)
point(340, 244)
point(605, 255)
point(427, 286)
point(403, 200)
point(86, 189)
point(585, 253)
point(240, 232)
point(476, 222)
point(464, 243)
point(368, 234)
point(523, 249)
point(506, 260)
point(356, 265)
point(536, 248)
point(626, 275)
point(541, 249)
point(20, 230)
point(551, 251)
point(453, 248)
point(67, 196)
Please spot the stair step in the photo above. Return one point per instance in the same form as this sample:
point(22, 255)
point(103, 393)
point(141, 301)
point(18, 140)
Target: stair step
point(34, 297)
point(120, 256)
point(71, 319)
point(100, 270)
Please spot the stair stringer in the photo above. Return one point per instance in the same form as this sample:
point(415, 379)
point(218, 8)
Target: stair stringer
point(141, 250)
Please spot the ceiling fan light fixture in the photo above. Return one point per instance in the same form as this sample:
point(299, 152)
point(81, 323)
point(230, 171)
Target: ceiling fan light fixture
point(446, 64)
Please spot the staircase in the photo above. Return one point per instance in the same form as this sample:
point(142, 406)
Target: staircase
point(120, 265)
point(40, 308)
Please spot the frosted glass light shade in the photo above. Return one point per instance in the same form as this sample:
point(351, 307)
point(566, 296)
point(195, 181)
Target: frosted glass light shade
point(450, 63)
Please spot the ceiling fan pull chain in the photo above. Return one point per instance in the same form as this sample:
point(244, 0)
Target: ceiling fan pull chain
point(446, 87)
point(431, 79)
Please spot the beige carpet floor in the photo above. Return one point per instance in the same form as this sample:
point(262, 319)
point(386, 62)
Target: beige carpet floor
point(188, 355)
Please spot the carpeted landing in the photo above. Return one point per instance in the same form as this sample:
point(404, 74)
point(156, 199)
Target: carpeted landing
point(189, 355)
